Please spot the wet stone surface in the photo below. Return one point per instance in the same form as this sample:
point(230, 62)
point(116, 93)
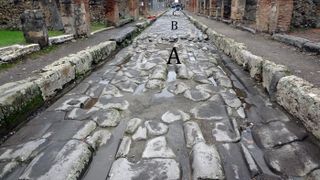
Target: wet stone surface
point(136, 117)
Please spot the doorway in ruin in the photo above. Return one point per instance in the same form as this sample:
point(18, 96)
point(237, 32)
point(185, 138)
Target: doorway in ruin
point(249, 17)
point(226, 9)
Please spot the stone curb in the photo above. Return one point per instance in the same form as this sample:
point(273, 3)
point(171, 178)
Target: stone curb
point(19, 99)
point(60, 39)
point(10, 53)
point(299, 42)
point(296, 95)
point(101, 30)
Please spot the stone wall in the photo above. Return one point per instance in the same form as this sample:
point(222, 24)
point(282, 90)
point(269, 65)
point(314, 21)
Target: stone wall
point(10, 12)
point(97, 11)
point(250, 10)
point(306, 13)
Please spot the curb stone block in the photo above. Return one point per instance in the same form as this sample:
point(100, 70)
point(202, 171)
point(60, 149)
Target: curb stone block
point(302, 100)
point(252, 63)
point(101, 51)
point(271, 74)
point(312, 47)
point(55, 77)
point(16, 100)
point(82, 62)
point(60, 39)
point(292, 40)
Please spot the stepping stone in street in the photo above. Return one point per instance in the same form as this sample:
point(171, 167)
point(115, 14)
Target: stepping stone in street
point(175, 115)
point(206, 162)
point(196, 95)
point(122, 169)
point(156, 128)
point(294, 159)
point(158, 148)
point(192, 133)
point(277, 133)
point(132, 125)
point(209, 111)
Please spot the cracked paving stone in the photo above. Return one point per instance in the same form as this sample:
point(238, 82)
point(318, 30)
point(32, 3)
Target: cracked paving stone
point(22, 152)
point(178, 88)
point(277, 133)
point(140, 134)
point(68, 163)
point(193, 134)
point(175, 115)
point(209, 111)
point(158, 148)
point(206, 162)
point(124, 147)
point(196, 95)
point(156, 128)
point(166, 169)
point(99, 138)
point(294, 159)
point(105, 102)
point(132, 125)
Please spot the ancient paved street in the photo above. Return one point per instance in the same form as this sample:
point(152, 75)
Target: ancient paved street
point(138, 118)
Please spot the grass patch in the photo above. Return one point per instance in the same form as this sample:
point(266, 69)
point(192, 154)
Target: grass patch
point(5, 66)
point(97, 25)
point(55, 33)
point(43, 51)
point(8, 37)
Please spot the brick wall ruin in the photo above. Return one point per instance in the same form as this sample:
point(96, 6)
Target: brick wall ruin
point(10, 12)
point(306, 13)
point(263, 15)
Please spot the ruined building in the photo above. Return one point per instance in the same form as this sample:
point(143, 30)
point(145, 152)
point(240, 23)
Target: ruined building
point(72, 16)
point(262, 15)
